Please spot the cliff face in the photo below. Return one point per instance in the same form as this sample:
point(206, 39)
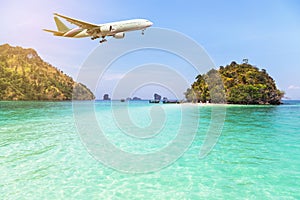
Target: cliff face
point(25, 76)
point(235, 84)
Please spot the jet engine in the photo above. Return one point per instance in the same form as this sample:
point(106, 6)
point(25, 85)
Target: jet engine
point(119, 35)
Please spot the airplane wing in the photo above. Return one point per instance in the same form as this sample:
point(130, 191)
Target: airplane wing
point(81, 24)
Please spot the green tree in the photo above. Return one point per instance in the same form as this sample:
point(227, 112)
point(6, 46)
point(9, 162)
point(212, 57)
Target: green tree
point(236, 84)
point(25, 76)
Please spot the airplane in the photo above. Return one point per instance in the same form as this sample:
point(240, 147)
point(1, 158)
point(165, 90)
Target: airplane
point(86, 29)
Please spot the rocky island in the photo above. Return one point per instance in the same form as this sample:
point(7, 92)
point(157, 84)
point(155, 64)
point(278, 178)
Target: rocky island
point(25, 76)
point(235, 84)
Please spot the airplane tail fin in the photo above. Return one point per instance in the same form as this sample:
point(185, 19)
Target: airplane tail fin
point(61, 27)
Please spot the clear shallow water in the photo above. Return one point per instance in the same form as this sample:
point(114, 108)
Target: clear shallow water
point(256, 157)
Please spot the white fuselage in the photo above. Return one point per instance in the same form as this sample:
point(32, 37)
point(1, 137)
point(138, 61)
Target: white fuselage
point(94, 31)
point(110, 29)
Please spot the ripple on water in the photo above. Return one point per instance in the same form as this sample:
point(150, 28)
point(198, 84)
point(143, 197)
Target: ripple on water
point(257, 156)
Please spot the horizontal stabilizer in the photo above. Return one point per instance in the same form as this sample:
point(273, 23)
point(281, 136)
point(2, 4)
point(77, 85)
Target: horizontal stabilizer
point(56, 33)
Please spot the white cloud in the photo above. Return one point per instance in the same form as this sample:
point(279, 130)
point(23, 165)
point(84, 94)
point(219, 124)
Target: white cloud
point(293, 87)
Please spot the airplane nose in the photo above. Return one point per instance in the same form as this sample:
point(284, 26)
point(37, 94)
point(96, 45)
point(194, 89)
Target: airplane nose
point(148, 23)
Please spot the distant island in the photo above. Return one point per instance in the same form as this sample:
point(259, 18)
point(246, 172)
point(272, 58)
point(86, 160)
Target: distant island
point(106, 97)
point(235, 84)
point(25, 76)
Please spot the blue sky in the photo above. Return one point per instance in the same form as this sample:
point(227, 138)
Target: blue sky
point(266, 32)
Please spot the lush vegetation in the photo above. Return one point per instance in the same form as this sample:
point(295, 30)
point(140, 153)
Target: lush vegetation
point(25, 76)
point(235, 84)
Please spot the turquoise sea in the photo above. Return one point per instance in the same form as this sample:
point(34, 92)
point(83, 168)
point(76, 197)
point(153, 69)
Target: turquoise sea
point(257, 156)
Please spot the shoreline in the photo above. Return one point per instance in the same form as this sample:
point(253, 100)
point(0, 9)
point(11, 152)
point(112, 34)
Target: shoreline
point(284, 102)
